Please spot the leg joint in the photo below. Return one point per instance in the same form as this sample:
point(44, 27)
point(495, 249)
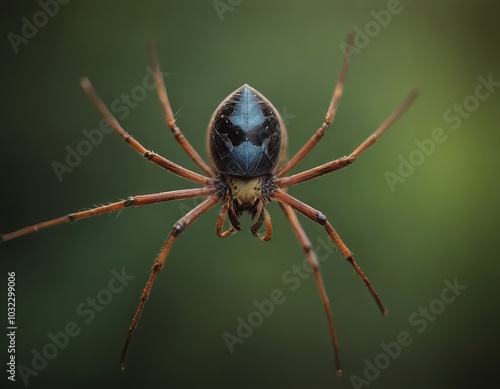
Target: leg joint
point(321, 219)
point(149, 155)
point(129, 202)
point(155, 269)
point(307, 248)
point(126, 137)
point(314, 265)
point(177, 229)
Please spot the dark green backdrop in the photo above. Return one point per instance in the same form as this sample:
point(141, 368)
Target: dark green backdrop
point(436, 223)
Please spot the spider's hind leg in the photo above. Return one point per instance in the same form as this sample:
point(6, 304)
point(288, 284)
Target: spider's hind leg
point(314, 264)
point(321, 219)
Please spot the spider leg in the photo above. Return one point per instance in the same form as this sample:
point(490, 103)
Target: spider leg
point(220, 224)
point(345, 161)
point(321, 219)
point(136, 201)
point(314, 264)
point(261, 218)
point(149, 155)
point(178, 228)
point(330, 113)
point(169, 115)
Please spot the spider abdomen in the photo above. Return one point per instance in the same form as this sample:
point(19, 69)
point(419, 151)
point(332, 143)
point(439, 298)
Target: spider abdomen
point(245, 134)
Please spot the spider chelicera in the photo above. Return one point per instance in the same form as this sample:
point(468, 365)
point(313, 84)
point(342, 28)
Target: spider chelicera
point(247, 145)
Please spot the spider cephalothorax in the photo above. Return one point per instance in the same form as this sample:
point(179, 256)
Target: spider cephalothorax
point(246, 142)
point(246, 194)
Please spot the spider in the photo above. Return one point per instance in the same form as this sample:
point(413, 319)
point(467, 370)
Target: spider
point(247, 145)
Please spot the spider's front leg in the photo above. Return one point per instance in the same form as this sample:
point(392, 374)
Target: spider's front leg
point(260, 218)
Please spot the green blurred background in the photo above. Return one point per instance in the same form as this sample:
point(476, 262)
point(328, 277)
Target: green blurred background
point(439, 224)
